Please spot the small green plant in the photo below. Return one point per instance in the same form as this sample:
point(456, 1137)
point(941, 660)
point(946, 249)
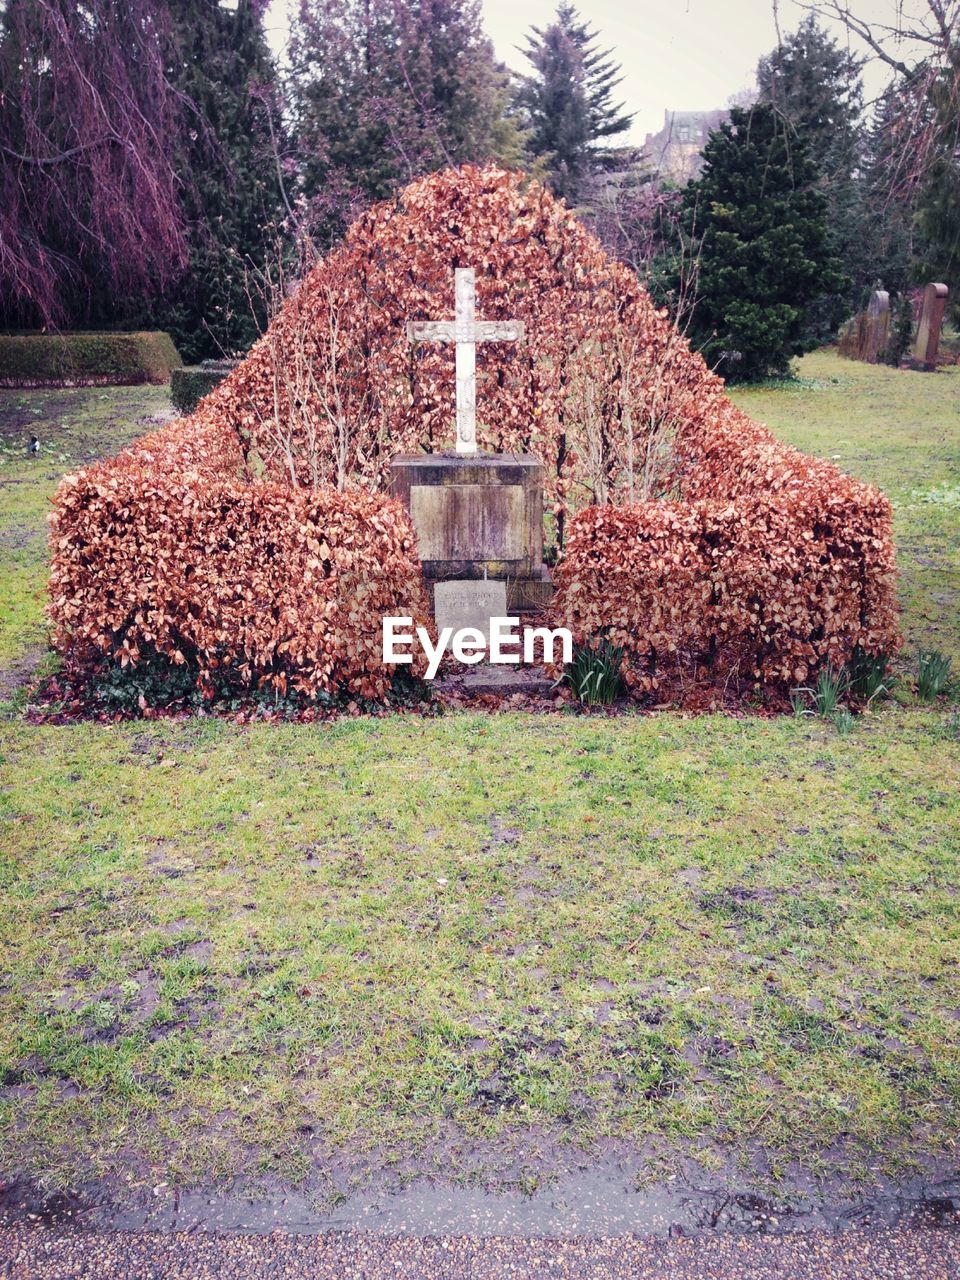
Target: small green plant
point(596, 673)
point(799, 703)
point(825, 699)
point(933, 673)
point(843, 721)
point(867, 676)
point(830, 689)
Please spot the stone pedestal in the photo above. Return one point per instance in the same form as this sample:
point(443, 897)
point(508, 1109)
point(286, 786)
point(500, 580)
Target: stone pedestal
point(478, 516)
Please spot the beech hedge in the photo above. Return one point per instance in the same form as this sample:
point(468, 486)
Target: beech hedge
point(169, 550)
point(769, 565)
point(79, 359)
point(207, 543)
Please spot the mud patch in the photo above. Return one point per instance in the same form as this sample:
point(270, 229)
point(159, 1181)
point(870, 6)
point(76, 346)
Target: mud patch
point(588, 1200)
point(21, 671)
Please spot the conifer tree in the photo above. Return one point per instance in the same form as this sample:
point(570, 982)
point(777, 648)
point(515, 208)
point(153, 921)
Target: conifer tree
point(764, 256)
point(889, 226)
point(815, 85)
point(228, 156)
point(569, 98)
point(938, 196)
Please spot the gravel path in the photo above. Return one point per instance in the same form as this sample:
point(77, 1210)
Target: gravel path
point(45, 1254)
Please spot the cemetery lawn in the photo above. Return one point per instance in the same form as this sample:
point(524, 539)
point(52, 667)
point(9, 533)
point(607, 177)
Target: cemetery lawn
point(244, 948)
point(74, 426)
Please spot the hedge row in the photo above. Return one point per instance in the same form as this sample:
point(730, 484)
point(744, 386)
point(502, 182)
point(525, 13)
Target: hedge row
point(167, 550)
point(772, 564)
point(74, 359)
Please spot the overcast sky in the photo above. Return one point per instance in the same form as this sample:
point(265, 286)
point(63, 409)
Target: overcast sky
point(685, 55)
point(682, 54)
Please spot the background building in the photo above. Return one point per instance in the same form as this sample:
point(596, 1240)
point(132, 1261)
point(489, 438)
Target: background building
point(674, 152)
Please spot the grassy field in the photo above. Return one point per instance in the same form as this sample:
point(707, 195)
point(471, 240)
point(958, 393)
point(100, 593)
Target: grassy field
point(73, 426)
point(255, 948)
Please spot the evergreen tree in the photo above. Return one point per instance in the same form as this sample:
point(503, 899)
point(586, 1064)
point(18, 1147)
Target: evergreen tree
point(889, 226)
point(229, 161)
point(384, 90)
point(764, 256)
point(938, 195)
point(570, 103)
point(815, 85)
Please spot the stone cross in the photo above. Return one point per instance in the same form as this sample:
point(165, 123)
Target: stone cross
point(466, 331)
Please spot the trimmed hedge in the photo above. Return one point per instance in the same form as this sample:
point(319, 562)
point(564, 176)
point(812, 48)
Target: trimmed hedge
point(190, 384)
point(169, 551)
point(77, 359)
point(771, 565)
point(595, 349)
point(763, 565)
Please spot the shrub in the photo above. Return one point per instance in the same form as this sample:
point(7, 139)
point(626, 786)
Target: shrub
point(595, 673)
point(188, 386)
point(335, 388)
point(221, 540)
point(902, 334)
point(169, 552)
point(40, 360)
point(771, 566)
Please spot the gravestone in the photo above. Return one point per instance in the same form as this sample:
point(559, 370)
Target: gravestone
point(876, 330)
point(865, 337)
point(469, 604)
point(478, 516)
point(929, 329)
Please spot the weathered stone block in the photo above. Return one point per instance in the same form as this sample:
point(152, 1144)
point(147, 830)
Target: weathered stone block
point(469, 603)
point(475, 516)
point(927, 342)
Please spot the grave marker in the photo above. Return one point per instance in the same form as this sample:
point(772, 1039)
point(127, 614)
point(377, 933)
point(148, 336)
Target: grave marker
point(469, 602)
point(465, 330)
point(928, 330)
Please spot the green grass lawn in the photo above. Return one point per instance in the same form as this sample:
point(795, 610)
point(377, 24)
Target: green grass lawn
point(239, 949)
point(73, 426)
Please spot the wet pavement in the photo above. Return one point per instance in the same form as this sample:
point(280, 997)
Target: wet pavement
point(40, 1253)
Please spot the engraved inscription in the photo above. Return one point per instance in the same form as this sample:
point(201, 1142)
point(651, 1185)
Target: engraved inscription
point(469, 604)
